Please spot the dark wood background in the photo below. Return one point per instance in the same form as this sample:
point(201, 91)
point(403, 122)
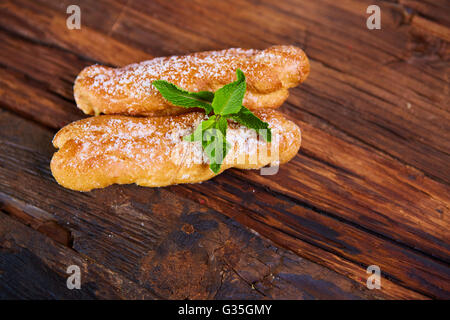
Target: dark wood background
point(370, 185)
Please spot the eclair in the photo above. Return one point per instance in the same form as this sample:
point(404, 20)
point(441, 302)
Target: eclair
point(150, 151)
point(129, 90)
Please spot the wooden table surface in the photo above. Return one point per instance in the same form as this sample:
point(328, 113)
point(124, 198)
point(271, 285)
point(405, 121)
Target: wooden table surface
point(370, 185)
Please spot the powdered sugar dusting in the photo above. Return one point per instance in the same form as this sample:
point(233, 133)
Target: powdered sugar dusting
point(150, 143)
point(200, 71)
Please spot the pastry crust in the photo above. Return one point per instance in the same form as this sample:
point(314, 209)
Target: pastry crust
point(128, 90)
point(149, 151)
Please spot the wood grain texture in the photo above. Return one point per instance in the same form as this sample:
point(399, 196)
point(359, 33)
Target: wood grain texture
point(150, 237)
point(34, 267)
point(336, 157)
point(359, 90)
point(371, 184)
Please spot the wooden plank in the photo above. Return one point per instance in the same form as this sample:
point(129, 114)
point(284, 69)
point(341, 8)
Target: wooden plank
point(55, 67)
point(319, 176)
point(30, 100)
point(436, 10)
point(306, 170)
point(326, 169)
point(406, 118)
point(315, 235)
point(205, 188)
point(36, 81)
point(153, 237)
point(35, 20)
point(365, 97)
point(32, 266)
point(114, 216)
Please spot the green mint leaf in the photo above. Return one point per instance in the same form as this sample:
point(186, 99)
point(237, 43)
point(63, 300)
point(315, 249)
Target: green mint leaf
point(228, 99)
point(183, 98)
point(197, 135)
point(222, 125)
point(226, 103)
point(215, 167)
point(248, 119)
point(215, 146)
point(240, 75)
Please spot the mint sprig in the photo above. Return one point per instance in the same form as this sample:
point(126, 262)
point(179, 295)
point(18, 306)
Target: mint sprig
point(248, 119)
point(228, 99)
point(225, 103)
point(183, 98)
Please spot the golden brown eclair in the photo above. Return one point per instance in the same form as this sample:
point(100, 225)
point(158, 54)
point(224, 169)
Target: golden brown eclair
point(128, 90)
point(149, 151)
